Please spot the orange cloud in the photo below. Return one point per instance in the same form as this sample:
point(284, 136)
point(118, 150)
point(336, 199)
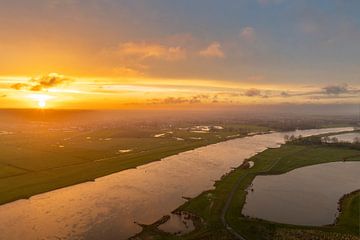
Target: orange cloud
point(214, 50)
point(253, 92)
point(19, 86)
point(197, 99)
point(42, 83)
point(152, 50)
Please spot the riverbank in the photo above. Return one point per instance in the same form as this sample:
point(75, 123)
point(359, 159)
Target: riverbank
point(211, 205)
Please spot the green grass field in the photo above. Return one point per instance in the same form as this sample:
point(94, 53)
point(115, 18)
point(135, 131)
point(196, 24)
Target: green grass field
point(350, 216)
point(33, 162)
point(209, 205)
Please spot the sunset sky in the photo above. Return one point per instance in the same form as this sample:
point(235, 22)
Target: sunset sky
point(169, 53)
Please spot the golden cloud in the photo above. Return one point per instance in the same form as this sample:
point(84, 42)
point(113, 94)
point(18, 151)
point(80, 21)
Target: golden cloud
point(42, 83)
point(214, 50)
point(145, 50)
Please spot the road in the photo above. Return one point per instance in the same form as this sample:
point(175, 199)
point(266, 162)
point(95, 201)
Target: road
point(230, 199)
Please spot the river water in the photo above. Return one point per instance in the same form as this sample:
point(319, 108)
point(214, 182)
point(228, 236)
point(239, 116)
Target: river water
point(109, 207)
point(347, 137)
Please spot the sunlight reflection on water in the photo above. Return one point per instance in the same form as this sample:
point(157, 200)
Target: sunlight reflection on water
point(108, 207)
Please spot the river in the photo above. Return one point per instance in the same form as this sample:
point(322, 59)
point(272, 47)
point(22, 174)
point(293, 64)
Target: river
point(108, 207)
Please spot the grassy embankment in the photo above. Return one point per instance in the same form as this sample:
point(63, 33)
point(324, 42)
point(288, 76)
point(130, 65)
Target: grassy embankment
point(40, 161)
point(350, 212)
point(209, 205)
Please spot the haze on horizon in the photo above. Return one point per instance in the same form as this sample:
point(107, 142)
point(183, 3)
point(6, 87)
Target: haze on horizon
point(110, 54)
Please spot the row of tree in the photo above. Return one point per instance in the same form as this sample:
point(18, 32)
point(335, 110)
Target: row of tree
point(318, 140)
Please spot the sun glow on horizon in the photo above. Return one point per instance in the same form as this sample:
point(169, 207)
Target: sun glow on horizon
point(41, 99)
point(60, 91)
point(42, 103)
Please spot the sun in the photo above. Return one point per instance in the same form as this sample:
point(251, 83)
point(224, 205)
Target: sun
point(42, 103)
point(41, 99)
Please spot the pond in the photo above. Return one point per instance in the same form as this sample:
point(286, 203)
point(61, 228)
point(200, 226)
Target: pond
point(178, 224)
point(304, 196)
